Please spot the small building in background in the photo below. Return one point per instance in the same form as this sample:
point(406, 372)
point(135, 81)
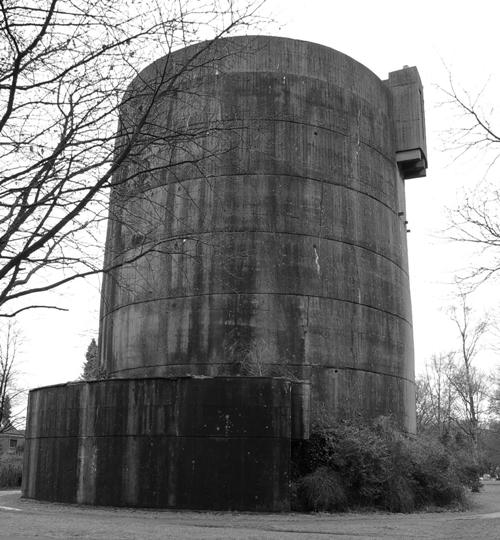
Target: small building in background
point(12, 442)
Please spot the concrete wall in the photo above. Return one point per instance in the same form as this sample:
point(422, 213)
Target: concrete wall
point(265, 193)
point(221, 444)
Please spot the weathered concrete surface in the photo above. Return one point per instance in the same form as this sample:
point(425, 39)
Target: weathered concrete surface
point(31, 519)
point(266, 195)
point(170, 443)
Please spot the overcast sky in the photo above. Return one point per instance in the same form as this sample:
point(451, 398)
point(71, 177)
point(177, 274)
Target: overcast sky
point(384, 36)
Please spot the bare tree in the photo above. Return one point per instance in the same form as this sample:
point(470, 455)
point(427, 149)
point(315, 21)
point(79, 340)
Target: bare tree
point(477, 218)
point(495, 398)
point(435, 397)
point(471, 386)
point(64, 72)
point(454, 395)
point(476, 131)
point(477, 222)
point(9, 391)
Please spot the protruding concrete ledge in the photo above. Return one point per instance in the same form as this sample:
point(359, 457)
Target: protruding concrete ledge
point(202, 443)
point(409, 121)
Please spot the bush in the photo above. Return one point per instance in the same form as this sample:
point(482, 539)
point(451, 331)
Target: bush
point(11, 470)
point(321, 490)
point(438, 476)
point(377, 466)
point(399, 495)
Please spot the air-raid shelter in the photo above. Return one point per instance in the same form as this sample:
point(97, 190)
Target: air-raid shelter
point(257, 235)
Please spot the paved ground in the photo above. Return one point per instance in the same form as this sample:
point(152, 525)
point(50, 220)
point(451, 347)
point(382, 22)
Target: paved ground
point(30, 519)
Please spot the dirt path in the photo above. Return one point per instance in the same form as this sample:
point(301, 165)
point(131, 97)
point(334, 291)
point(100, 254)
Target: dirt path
point(31, 519)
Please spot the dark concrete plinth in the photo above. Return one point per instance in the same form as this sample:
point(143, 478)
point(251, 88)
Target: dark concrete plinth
point(202, 443)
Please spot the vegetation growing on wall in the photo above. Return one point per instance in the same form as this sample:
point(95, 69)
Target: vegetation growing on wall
point(91, 368)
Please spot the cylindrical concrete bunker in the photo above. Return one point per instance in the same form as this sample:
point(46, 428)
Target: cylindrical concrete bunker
point(203, 443)
point(261, 219)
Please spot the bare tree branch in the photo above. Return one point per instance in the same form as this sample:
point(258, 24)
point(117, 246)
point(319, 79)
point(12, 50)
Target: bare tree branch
point(9, 391)
point(64, 89)
point(477, 219)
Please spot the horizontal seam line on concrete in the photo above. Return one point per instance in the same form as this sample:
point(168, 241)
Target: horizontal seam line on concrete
point(208, 364)
point(261, 231)
point(128, 435)
point(259, 293)
point(218, 127)
point(287, 175)
point(345, 134)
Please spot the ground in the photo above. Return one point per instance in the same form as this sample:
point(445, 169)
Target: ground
point(20, 518)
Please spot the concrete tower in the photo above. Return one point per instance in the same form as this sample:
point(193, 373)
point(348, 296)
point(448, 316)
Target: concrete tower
point(259, 276)
point(268, 198)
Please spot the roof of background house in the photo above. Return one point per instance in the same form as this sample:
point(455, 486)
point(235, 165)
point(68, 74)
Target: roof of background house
point(10, 432)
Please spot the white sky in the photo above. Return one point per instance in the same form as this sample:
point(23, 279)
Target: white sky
point(383, 35)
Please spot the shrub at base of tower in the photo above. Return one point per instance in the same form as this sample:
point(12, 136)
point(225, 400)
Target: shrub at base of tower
point(11, 471)
point(321, 490)
point(348, 466)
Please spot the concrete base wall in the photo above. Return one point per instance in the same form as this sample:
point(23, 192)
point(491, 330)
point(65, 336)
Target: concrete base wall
point(201, 443)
